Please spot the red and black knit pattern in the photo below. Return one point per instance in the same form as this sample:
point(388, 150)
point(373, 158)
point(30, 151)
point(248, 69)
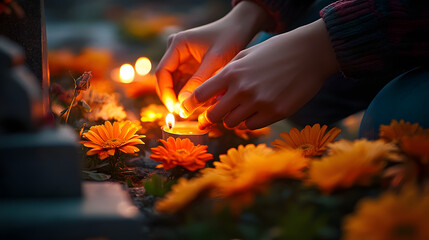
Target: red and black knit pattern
point(378, 38)
point(372, 39)
point(283, 12)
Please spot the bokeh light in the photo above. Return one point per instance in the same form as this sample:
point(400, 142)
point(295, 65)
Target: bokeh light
point(143, 66)
point(126, 73)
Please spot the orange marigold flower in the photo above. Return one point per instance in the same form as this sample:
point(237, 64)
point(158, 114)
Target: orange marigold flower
point(312, 141)
point(396, 130)
point(258, 170)
point(350, 163)
point(246, 171)
point(106, 139)
point(237, 177)
point(390, 217)
point(416, 146)
point(185, 192)
point(181, 152)
point(229, 162)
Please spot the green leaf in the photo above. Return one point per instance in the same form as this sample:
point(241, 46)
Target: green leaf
point(93, 175)
point(158, 185)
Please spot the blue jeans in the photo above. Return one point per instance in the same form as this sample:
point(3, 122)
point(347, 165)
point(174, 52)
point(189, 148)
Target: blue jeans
point(404, 98)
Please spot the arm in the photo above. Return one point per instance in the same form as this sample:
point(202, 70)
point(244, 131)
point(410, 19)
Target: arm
point(269, 81)
point(376, 39)
point(282, 13)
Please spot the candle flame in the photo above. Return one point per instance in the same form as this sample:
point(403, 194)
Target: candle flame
point(143, 66)
point(169, 120)
point(126, 73)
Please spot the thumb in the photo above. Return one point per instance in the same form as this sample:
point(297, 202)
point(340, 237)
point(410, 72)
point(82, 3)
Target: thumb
point(209, 65)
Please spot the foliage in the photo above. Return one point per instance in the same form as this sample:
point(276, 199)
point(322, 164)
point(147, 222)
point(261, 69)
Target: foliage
point(158, 185)
point(290, 208)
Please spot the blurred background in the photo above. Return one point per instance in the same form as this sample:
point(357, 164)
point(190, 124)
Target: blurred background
point(125, 28)
point(103, 35)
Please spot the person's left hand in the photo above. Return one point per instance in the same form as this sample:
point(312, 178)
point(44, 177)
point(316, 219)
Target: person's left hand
point(270, 81)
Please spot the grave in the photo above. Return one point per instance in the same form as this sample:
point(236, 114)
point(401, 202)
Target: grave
point(42, 195)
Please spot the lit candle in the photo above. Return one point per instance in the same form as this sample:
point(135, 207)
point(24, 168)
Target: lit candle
point(185, 129)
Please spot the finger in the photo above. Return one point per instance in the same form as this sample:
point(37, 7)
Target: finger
point(238, 115)
point(169, 62)
point(203, 121)
point(260, 120)
point(203, 93)
point(209, 65)
point(217, 112)
point(170, 40)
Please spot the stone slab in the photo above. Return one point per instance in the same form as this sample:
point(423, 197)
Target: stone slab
point(105, 211)
point(41, 164)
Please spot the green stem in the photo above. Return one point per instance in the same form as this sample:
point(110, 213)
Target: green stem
point(70, 107)
point(114, 160)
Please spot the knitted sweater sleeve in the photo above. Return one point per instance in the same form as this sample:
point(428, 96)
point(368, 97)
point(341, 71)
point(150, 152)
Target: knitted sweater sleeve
point(378, 38)
point(283, 12)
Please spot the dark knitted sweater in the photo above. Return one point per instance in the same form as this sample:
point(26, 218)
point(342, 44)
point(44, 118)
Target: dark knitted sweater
point(372, 39)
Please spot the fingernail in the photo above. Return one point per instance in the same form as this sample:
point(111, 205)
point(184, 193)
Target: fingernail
point(170, 106)
point(177, 108)
point(229, 128)
point(182, 113)
point(184, 95)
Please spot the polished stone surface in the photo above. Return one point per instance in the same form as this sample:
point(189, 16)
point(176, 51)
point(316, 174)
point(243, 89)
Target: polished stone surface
point(104, 212)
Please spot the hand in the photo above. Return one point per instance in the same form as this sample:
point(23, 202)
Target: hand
point(195, 55)
point(270, 81)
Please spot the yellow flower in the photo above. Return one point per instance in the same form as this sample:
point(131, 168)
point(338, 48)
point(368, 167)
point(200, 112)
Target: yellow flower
point(181, 152)
point(396, 130)
point(153, 113)
point(247, 170)
point(228, 164)
point(106, 139)
point(237, 177)
point(312, 141)
point(350, 163)
point(390, 217)
point(255, 173)
point(185, 192)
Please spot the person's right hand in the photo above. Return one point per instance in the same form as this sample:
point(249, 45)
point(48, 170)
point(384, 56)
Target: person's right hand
point(194, 55)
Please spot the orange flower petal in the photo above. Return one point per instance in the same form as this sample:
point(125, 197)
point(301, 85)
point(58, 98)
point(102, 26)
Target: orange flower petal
point(103, 133)
point(93, 137)
point(109, 128)
point(111, 152)
point(105, 139)
point(92, 152)
point(124, 130)
point(115, 130)
point(134, 142)
point(311, 140)
point(129, 149)
point(103, 155)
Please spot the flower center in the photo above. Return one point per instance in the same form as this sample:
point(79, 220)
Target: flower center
point(113, 143)
point(182, 152)
point(306, 147)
